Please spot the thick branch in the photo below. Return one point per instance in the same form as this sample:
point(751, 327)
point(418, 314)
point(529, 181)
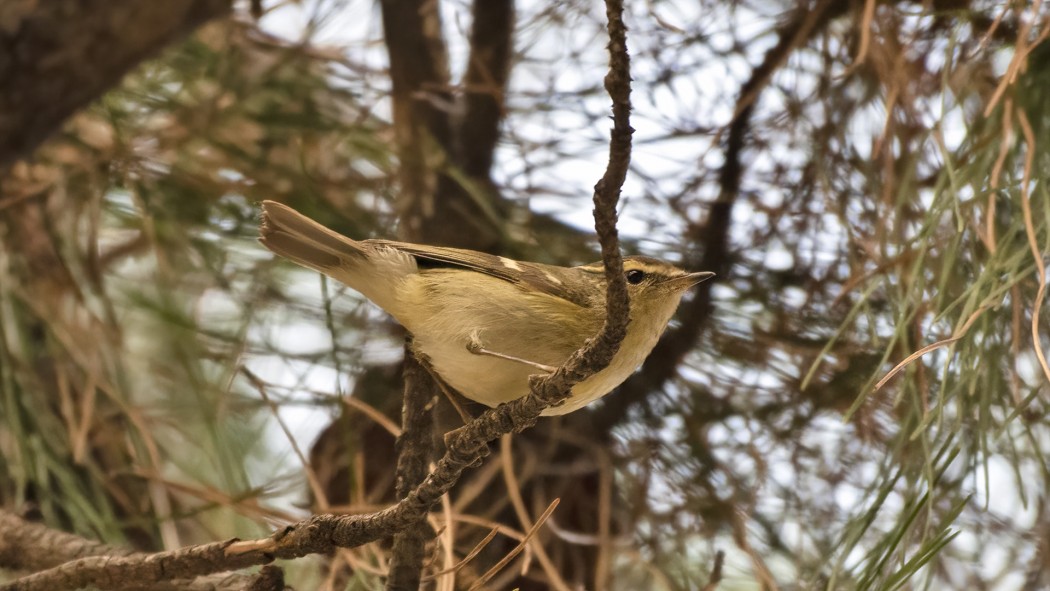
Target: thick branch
point(485, 84)
point(434, 208)
point(58, 55)
point(421, 97)
point(25, 545)
point(413, 457)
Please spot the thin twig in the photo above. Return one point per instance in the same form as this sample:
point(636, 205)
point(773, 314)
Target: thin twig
point(466, 559)
point(514, 493)
point(311, 475)
point(958, 334)
point(1029, 226)
point(517, 549)
point(716, 572)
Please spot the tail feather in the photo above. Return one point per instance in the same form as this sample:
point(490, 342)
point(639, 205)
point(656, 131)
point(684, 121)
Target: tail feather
point(373, 268)
point(294, 236)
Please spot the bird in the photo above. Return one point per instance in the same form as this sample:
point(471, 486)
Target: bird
point(485, 323)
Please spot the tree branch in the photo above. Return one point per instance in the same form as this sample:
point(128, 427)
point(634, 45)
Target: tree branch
point(435, 209)
point(413, 456)
point(485, 84)
point(58, 55)
point(25, 545)
point(29, 546)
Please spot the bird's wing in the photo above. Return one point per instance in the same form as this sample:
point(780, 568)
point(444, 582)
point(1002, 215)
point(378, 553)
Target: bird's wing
point(543, 278)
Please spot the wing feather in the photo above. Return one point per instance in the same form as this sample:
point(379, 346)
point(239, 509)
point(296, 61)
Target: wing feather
point(548, 279)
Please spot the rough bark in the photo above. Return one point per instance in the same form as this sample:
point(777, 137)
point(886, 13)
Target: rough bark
point(414, 449)
point(56, 56)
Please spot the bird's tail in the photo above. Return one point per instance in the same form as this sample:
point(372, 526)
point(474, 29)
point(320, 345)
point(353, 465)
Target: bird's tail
point(373, 268)
point(294, 236)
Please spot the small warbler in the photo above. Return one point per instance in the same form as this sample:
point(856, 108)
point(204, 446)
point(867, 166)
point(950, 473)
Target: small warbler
point(484, 323)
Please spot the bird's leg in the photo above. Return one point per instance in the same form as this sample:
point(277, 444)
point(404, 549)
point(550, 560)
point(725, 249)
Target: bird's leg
point(474, 346)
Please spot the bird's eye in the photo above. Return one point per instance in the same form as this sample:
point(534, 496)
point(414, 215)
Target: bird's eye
point(634, 276)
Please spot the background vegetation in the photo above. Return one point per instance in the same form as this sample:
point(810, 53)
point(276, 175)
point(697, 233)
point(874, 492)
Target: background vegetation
point(858, 402)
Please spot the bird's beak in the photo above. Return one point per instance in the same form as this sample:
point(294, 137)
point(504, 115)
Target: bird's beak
point(688, 280)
